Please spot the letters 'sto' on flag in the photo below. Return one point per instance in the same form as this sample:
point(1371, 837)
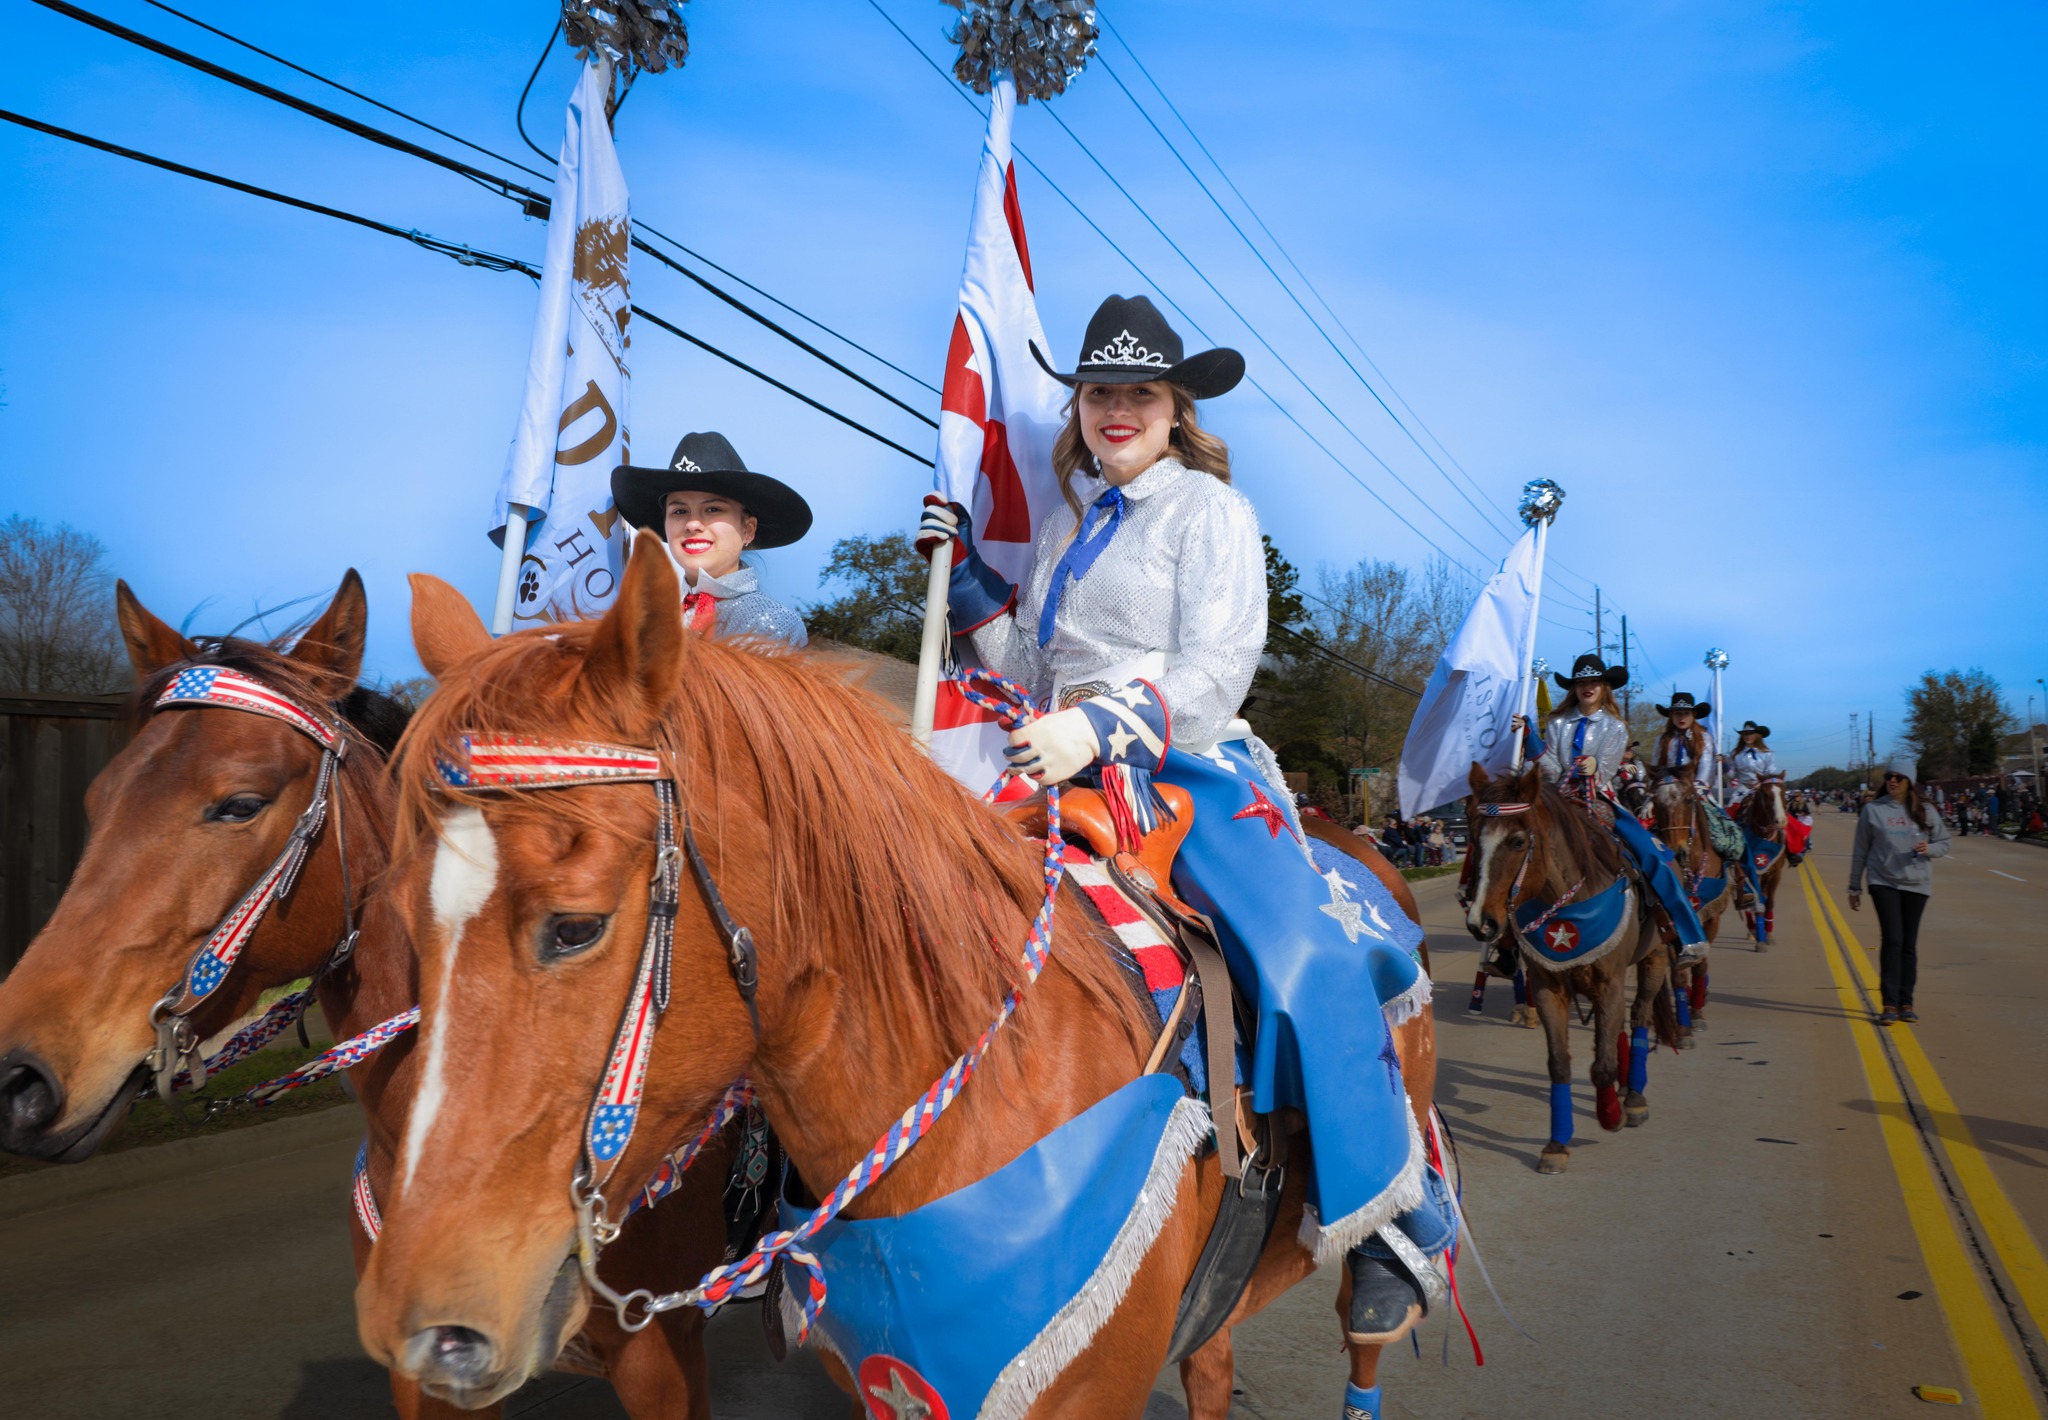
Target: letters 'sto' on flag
point(572, 419)
point(1468, 704)
point(999, 416)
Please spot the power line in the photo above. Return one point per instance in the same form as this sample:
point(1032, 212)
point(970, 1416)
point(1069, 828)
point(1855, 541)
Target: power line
point(1335, 658)
point(1193, 324)
point(534, 203)
point(468, 256)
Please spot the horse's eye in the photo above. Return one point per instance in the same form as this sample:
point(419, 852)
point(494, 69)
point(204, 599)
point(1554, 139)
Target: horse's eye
point(567, 934)
point(1515, 840)
point(237, 808)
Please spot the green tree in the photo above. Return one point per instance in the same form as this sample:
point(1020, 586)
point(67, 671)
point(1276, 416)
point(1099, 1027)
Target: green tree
point(883, 608)
point(56, 612)
point(1955, 721)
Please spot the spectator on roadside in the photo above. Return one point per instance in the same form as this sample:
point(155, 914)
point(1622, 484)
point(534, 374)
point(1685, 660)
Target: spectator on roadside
point(1438, 843)
point(1898, 838)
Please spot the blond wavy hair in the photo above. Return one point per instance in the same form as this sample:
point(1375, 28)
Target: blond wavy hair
point(1189, 442)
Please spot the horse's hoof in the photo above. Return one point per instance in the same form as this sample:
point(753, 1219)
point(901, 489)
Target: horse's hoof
point(1636, 1111)
point(1686, 1042)
point(1554, 1159)
point(1764, 945)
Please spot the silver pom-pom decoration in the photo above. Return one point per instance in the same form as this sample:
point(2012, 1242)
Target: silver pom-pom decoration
point(1540, 666)
point(1541, 499)
point(1717, 659)
point(633, 34)
point(1041, 44)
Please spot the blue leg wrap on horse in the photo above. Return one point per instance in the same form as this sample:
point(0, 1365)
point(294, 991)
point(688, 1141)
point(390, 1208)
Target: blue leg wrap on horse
point(1653, 860)
point(1361, 1404)
point(1561, 1112)
point(1639, 1058)
point(1685, 1009)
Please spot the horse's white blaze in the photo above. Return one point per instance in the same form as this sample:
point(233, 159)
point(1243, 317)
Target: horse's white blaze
point(465, 876)
point(1475, 914)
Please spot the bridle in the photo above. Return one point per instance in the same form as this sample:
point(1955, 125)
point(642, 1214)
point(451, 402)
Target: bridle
point(1522, 872)
point(176, 1054)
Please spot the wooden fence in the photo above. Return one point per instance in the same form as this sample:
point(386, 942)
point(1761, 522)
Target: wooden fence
point(50, 749)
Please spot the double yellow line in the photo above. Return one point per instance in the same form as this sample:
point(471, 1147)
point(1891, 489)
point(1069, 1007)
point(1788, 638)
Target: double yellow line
point(2001, 1385)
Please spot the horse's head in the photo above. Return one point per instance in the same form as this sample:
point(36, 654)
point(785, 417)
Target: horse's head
point(1671, 800)
point(1767, 812)
point(530, 911)
point(1507, 816)
point(185, 820)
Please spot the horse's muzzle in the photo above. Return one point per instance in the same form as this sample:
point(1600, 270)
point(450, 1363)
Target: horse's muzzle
point(32, 1099)
point(455, 1364)
point(1483, 925)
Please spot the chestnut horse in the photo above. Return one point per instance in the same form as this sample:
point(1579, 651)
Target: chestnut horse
point(1764, 815)
point(1532, 844)
point(184, 819)
point(889, 908)
point(1679, 817)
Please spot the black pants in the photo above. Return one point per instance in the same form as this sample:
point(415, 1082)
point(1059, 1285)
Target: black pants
point(1898, 953)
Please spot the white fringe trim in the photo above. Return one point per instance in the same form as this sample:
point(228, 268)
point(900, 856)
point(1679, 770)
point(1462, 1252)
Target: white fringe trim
point(1328, 1243)
point(1073, 1326)
point(1412, 1002)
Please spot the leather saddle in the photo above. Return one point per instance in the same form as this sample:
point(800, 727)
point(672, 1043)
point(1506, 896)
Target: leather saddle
point(1085, 818)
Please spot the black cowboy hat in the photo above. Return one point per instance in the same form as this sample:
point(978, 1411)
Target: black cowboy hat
point(708, 463)
point(1683, 701)
point(1129, 343)
point(1591, 667)
point(1751, 727)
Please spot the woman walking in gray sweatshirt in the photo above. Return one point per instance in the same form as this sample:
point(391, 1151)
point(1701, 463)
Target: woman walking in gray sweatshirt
point(1897, 840)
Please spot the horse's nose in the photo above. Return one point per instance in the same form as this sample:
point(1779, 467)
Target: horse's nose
point(31, 1097)
point(1489, 927)
point(448, 1359)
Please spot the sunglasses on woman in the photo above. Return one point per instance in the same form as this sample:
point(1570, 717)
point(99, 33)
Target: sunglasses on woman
point(1895, 779)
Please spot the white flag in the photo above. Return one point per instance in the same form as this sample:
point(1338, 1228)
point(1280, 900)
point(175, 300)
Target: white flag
point(1468, 704)
point(998, 418)
point(572, 421)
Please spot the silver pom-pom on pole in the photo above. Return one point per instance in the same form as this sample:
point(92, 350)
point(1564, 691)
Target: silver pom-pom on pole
point(633, 34)
point(1541, 498)
point(1041, 44)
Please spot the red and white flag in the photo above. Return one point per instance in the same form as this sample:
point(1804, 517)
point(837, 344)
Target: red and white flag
point(999, 415)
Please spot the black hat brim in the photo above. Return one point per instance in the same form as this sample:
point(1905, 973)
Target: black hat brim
point(780, 513)
point(1204, 376)
point(1615, 676)
point(1763, 731)
point(1699, 711)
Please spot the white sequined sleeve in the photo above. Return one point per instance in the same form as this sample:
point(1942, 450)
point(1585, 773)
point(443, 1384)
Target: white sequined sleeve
point(1009, 645)
point(1220, 615)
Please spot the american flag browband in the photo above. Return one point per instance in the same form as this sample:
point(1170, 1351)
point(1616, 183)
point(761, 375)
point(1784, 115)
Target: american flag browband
point(516, 762)
point(228, 689)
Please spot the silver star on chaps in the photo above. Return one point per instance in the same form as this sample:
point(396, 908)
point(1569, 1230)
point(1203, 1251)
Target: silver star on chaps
point(1349, 915)
point(898, 1398)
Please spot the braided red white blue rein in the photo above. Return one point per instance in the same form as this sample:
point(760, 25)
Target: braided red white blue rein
point(1013, 707)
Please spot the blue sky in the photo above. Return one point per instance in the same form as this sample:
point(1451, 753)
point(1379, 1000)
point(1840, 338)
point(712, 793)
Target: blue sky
point(1760, 285)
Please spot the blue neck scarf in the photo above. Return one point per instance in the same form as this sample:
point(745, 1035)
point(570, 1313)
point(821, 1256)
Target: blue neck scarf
point(1099, 522)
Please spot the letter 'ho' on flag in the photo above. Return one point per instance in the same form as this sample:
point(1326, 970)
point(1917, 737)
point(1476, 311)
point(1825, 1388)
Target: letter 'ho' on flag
point(572, 419)
point(1469, 702)
point(999, 415)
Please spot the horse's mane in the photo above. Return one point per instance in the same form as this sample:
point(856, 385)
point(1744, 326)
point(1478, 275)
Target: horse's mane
point(375, 717)
point(875, 847)
point(1585, 838)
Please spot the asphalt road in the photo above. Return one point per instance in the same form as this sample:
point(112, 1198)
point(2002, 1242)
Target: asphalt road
point(1789, 1235)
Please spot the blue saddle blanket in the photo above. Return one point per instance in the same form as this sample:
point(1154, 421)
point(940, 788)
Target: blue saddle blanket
point(1576, 930)
point(972, 1305)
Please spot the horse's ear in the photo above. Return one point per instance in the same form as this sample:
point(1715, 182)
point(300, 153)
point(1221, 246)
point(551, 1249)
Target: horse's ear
point(1478, 778)
point(1530, 786)
point(635, 660)
point(332, 647)
point(446, 631)
point(151, 643)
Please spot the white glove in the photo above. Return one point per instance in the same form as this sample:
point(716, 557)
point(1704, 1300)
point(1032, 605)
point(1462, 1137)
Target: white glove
point(1054, 748)
point(939, 524)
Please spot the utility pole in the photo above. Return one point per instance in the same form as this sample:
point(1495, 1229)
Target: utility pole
point(1870, 728)
point(1855, 739)
point(1599, 646)
point(1628, 702)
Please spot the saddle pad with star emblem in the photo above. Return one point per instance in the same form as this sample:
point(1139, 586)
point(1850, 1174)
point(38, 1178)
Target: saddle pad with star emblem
point(1762, 851)
point(973, 1304)
point(1576, 931)
point(1325, 972)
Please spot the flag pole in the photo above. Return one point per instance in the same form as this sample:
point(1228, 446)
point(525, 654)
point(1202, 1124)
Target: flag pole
point(931, 651)
point(508, 567)
point(1541, 499)
point(1717, 661)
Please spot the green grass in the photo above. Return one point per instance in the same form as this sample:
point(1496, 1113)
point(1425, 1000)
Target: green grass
point(154, 1122)
point(1416, 875)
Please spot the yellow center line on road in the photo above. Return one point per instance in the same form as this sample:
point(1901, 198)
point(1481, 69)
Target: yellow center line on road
point(2002, 1225)
point(1993, 1372)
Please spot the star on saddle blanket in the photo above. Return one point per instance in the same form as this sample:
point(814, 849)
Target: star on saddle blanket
point(1577, 932)
point(970, 1307)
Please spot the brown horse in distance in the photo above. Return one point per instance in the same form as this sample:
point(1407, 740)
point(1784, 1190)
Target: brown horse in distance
point(1765, 815)
point(889, 908)
point(1534, 854)
point(1679, 817)
point(184, 820)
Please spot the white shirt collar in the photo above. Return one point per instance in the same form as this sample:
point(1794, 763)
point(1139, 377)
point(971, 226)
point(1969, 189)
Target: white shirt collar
point(1160, 476)
point(736, 583)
